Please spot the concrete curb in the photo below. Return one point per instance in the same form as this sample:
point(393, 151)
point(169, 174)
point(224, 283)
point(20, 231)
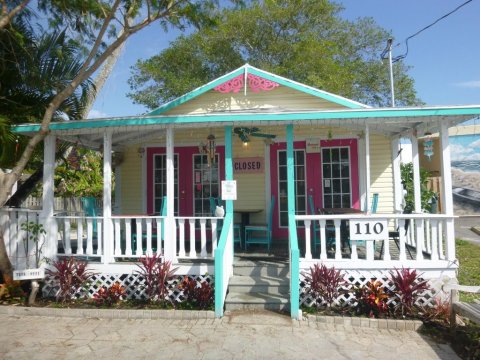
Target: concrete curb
point(107, 313)
point(391, 324)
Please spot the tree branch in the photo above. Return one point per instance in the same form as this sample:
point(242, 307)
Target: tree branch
point(7, 15)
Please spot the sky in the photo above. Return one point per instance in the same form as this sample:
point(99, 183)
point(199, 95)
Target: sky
point(445, 59)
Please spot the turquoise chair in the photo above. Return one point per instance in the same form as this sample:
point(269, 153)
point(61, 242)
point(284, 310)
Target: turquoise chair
point(260, 234)
point(89, 208)
point(237, 232)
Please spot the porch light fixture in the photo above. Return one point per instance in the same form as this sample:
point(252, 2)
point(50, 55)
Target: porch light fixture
point(141, 151)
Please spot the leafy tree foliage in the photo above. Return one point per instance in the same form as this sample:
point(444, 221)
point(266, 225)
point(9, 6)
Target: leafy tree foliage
point(303, 40)
point(427, 196)
point(101, 26)
point(33, 68)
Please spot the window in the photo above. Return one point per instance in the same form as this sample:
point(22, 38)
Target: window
point(299, 181)
point(205, 183)
point(337, 192)
point(160, 181)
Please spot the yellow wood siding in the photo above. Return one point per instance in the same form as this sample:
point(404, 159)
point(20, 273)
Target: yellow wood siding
point(280, 98)
point(381, 175)
point(131, 182)
point(251, 187)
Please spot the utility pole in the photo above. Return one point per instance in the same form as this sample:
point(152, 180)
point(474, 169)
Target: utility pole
point(388, 50)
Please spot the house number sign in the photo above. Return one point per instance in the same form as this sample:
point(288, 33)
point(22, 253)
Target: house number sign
point(368, 230)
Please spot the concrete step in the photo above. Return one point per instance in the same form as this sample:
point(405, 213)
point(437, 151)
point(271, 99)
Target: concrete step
point(261, 268)
point(257, 284)
point(257, 301)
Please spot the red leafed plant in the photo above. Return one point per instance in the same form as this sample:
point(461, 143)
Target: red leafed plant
point(407, 286)
point(372, 299)
point(156, 275)
point(324, 284)
point(439, 312)
point(72, 276)
point(199, 295)
point(109, 296)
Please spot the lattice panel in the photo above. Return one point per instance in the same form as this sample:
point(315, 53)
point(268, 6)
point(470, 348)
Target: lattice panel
point(357, 279)
point(133, 284)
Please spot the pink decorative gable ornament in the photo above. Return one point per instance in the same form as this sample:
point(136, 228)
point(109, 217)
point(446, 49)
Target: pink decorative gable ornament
point(256, 84)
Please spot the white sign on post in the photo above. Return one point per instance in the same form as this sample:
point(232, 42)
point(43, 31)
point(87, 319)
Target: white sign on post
point(28, 274)
point(368, 229)
point(229, 190)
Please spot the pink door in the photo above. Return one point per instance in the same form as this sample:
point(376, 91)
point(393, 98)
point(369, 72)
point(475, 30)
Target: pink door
point(329, 176)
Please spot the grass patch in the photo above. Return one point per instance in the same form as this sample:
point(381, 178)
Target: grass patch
point(468, 254)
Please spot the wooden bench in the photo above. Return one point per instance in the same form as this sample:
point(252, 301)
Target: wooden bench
point(469, 310)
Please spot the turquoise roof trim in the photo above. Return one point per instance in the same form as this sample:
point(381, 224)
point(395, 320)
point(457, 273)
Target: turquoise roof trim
point(240, 117)
point(197, 92)
point(269, 76)
point(306, 89)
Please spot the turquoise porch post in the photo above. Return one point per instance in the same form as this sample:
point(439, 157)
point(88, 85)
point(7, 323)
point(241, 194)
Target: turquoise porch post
point(292, 230)
point(220, 250)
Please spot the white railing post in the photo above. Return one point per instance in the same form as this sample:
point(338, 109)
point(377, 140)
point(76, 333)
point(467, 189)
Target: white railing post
point(338, 240)
point(203, 238)
point(401, 236)
point(181, 231)
point(118, 249)
point(159, 222)
point(128, 237)
point(149, 236)
point(80, 236)
point(214, 223)
point(323, 240)
point(191, 224)
point(67, 236)
point(434, 237)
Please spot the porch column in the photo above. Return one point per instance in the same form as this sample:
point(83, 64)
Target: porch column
point(397, 178)
point(447, 200)
point(169, 224)
point(228, 164)
point(107, 198)
point(419, 234)
point(367, 168)
point(416, 174)
point(47, 219)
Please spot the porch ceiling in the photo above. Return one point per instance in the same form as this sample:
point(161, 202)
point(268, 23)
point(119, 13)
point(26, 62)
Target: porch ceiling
point(391, 122)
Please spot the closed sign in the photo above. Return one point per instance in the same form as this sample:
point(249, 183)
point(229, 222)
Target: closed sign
point(368, 230)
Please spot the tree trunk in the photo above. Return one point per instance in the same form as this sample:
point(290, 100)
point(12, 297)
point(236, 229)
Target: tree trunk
point(25, 189)
point(6, 267)
point(33, 293)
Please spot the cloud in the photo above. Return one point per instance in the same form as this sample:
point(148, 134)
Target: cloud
point(461, 153)
point(469, 84)
point(94, 114)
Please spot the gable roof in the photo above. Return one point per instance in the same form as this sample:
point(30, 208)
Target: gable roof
point(248, 69)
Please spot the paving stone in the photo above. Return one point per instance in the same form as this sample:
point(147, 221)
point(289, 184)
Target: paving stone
point(263, 335)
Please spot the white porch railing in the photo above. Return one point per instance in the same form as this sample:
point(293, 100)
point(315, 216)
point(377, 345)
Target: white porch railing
point(425, 239)
point(20, 249)
point(136, 236)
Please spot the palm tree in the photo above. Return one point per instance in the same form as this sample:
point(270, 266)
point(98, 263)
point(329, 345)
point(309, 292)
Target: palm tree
point(33, 68)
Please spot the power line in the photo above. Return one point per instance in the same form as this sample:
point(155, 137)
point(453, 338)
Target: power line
point(403, 56)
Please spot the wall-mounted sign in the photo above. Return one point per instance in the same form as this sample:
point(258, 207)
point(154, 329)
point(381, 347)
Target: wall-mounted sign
point(28, 274)
point(248, 165)
point(368, 229)
point(312, 146)
point(229, 190)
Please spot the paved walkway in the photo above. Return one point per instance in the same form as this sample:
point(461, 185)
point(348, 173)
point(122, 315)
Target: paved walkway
point(463, 224)
point(239, 335)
